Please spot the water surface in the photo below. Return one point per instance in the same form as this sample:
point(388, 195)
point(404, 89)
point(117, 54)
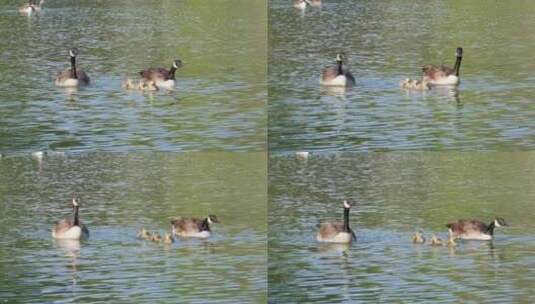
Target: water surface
point(218, 104)
point(119, 195)
point(395, 195)
point(385, 42)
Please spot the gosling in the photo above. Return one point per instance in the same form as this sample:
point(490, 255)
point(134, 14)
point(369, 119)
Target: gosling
point(435, 241)
point(168, 238)
point(143, 234)
point(413, 84)
point(156, 237)
point(418, 238)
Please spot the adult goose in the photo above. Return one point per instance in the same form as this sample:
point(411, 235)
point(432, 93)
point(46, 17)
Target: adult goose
point(28, 8)
point(337, 75)
point(474, 229)
point(443, 75)
point(71, 228)
point(193, 227)
point(162, 77)
point(72, 77)
point(337, 232)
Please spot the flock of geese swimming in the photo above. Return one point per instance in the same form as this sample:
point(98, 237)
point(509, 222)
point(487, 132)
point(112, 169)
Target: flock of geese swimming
point(184, 227)
point(151, 79)
point(466, 229)
point(433, 75)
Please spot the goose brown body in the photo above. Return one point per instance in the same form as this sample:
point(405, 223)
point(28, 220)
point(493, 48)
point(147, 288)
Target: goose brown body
point(443, 75)
point(472, 229)
point(193, 227)
point(337, 232)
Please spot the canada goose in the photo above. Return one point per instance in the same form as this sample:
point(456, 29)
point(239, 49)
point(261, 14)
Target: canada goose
point(301, 4)
point(156, 237)
point(168, 238)
point(143, 234)
point(163, 78)
point(435, 241)
point(413, 84)
point(193, 227)
point(418, 238)
point(72, 77)
point(337, 232)
point(443, 75)
point(337, 75)
point(474, 229)
point(71, 229)
point(27, 8)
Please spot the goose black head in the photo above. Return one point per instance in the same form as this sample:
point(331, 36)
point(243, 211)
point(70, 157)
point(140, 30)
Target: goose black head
point(348, 204)
point(340, 57)
point(177, 63)
point(73, 52)
point(459, 52)
point(499, 222)
point(75, 202)
point(212, 219)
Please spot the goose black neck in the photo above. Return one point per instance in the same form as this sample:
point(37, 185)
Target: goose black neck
point(490, 228)
point(457, 65)
point(346, 220)
point(205, 225)
point(76, 220)
point(340, 69)
point(73, 68)
point(172, 72)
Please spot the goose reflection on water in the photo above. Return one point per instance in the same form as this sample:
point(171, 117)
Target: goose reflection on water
point(71, 249)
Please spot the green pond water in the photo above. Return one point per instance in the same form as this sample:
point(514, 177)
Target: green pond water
point(218, 103)
point(120, 193)
point(395, 195)
point(385, 42)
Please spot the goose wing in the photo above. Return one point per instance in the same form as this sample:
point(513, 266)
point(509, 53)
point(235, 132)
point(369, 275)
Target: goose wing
point(155, 74)
point(187, 224)
point(63, 225)
point(68, 74)
point(467, 226)
point(64, 75)
point(330, 229)
point(349, 76)
point(329, 73)
point(437, 72)
point(85, 231)
point(82, 76)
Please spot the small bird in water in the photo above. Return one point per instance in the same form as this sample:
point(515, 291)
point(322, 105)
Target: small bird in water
point(413, 84)
point(451, 241)
point(143, 234)
point(142, 85)
point(156, 237)
point(435, 241)
point(168, 238)
point(418, 238)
